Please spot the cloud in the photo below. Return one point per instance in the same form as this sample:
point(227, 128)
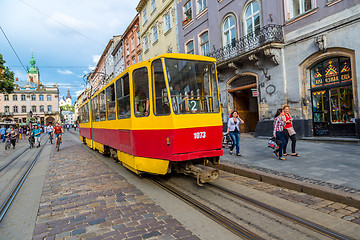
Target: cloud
point(66, 72)
point(77, 93)
point(96, 58)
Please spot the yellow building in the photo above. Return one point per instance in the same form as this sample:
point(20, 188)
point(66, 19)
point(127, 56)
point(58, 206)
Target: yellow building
point(157, 27)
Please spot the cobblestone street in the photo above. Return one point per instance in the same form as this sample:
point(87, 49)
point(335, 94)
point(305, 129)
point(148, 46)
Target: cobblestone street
point(84, 199)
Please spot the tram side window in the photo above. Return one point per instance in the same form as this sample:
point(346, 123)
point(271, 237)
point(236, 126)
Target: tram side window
point(95, 109)
point(161, 101)
point(141, 88)
point(102, 106)
point(123, 97)
point(86, 112)
point(110, 102)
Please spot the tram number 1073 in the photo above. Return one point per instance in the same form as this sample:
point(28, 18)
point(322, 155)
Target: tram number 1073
point(198, 135)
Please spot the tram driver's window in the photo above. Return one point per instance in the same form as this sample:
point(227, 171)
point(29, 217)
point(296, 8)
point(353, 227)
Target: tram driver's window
point(141, 92)
point(161, 101)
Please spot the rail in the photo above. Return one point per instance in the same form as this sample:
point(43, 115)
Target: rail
point(267, 34)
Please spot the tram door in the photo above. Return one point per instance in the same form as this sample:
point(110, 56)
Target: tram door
point(247, 107)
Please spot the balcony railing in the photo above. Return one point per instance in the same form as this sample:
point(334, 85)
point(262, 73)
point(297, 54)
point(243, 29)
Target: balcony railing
point(267, 34)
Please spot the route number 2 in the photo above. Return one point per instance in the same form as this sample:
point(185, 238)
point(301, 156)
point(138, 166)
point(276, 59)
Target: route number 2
point(198, 135)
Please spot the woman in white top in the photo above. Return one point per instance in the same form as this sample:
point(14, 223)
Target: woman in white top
point(234, 130)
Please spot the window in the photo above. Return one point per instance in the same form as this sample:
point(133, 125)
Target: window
point(229, 31)
point(33, 109)
point(23, 109)
point(49, 108)
point(41, 97)
point(193, 86)
point(161, 101)
point(190, 47)
point(41, 108)
point(167, 21)
point(132, 44)
point(187, 11)
point(86, 112)
point(146, 43)
point(141, 92)
point(298, 7)
point(95, 109)
point(102, 106)
point(33, 97)
point(14, 97)
point(153, 5)
point(110, 102)
point(127, 50)
point(7, 109)
point(123, 97)
point(23, 97)
point(15, 109)
point(6, 97)
point(201, 5)
point(139, 57)
point(144, 16)
point(138, 37)
point(133, 60)
point(155, 34)
point(49, 97)
point(252, 18)
point(204, 43)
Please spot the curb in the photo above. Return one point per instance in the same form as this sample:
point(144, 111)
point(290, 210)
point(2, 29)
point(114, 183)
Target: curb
point(334, 195)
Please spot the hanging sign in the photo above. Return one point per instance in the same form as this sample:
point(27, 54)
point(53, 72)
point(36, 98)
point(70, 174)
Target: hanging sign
point(254, 92)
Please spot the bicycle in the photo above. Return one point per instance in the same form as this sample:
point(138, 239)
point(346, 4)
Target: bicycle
point(51, 138)
point(57, 144)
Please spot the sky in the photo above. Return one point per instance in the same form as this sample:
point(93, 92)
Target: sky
point(67, 37)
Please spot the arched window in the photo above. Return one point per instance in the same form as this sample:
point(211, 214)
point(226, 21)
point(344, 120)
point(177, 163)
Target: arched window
point(229, 31)
point(252, 18)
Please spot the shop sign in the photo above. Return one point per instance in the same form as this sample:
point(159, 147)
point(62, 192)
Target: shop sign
point(254, 92)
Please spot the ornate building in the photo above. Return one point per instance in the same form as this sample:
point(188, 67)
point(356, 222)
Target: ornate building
point(34, 101)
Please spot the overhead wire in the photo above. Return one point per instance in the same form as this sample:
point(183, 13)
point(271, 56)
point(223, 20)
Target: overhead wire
point(13, 48)
point(62, 24)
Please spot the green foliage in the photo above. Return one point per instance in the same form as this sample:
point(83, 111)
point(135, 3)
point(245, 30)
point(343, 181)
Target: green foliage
point(68, 108)
point(6, 78)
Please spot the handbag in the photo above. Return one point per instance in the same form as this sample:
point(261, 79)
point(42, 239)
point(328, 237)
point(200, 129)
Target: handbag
point(291, 131)
point(274, 143)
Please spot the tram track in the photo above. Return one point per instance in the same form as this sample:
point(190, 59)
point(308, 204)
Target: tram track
point(217, 217)
point(11, 195)
point(235, 224)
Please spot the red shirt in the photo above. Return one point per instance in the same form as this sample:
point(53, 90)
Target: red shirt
point(57, 130)
point(288, 117)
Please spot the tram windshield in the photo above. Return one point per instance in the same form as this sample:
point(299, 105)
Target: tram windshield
point(193, 86)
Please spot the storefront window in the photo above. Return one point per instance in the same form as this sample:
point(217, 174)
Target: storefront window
point(332, 98)
point(342, 109)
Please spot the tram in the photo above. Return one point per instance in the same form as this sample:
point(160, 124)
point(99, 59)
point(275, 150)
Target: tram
point(159, 116)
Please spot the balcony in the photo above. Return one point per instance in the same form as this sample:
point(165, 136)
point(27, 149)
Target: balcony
point(266, 35)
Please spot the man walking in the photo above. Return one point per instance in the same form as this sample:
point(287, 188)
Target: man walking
point(3, 132)
point(37, 134)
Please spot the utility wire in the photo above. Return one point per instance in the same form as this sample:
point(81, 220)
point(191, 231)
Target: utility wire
point(62, 24)
point(13, 48)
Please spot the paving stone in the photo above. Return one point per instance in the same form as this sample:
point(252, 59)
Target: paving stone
point(151, 234)
point(84, 199)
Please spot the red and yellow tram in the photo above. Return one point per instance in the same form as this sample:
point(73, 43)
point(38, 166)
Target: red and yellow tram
point(159, 116)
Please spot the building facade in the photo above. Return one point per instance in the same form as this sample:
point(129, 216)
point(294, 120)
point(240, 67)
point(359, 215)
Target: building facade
point(132, 43)
point(157, 27)
point(300, 53)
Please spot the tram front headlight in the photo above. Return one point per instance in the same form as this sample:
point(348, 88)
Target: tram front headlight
point(168, 141)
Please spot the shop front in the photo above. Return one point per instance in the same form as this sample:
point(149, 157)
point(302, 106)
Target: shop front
point(332, 98)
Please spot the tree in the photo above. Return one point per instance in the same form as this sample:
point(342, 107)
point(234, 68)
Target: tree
point(68, 108)
point(6, 78)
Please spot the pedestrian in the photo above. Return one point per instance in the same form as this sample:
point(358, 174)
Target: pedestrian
point(24, 132)
point(3, 132)
point(289, 132)
point(234, 130)
point(279, 123)
point(28, 131)
point(13, 136)
point(20, 133)
point(36, 132)
point(17, 134)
